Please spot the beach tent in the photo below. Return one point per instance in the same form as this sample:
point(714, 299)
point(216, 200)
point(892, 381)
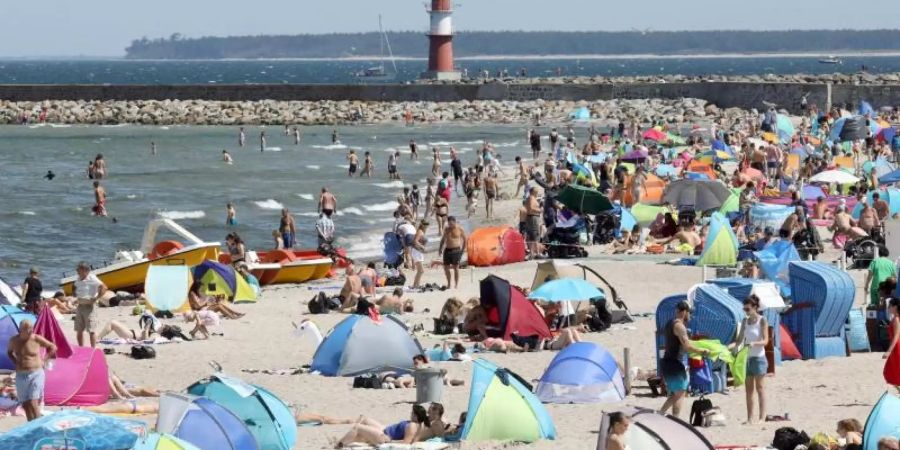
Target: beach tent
point(10, 318)
point(891, 178)
point(721, 246)
point(764, 215)
point(848, 129)
point(74, 429)
point(655, 134)
point(158, 441)
point(268, 418)
point(890, 195)
point(774, 261)
point(359, 345)
point(203, 423)
point(784, 128)
point(8, 295)
point(583, 372)
point(882, 167)
point(166, 287)
point(393, 250)
point(509, 311)
point(645, 214)
point(627, 221)
point(651, 192)
point(883, 421)
point(503, 408)
point(650, 430)
point(702, 168)
point(221, 279)
point(80, 376)
point(733, 204)
point(495, 246)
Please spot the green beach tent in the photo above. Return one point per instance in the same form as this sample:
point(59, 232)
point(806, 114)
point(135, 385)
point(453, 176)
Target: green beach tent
point(733, 204)
point(502, 407)
point(721, 246)
point(645, 214)
point(221, 279)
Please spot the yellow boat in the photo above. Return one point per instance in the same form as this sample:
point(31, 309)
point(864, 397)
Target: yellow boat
point(285, 266)
point(302, 270)
point(129, 269)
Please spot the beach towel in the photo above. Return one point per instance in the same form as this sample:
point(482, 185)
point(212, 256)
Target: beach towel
point(739, 369)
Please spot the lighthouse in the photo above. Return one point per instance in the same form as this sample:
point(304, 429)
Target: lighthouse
point(440, 42)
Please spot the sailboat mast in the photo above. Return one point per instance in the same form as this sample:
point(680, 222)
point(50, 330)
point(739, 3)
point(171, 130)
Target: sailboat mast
point(384, 40)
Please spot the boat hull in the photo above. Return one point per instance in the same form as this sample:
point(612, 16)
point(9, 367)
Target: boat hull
point(294, 266)
point(131, 276)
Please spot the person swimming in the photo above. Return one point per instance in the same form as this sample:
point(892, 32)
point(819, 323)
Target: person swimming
point(50, 175)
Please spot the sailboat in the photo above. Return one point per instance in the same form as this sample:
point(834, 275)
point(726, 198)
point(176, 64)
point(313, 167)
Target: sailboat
point(830, 60)
point(380, 72)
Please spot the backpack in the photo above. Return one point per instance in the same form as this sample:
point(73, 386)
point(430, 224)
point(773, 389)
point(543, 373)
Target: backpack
point(398, 280)
point(700, 406)
point(788, 438)
point(143, 352)
point(323, 304)
point(444, 326)
point(367, 382)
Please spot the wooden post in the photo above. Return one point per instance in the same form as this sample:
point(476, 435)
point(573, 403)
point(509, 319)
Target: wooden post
point(627, 361)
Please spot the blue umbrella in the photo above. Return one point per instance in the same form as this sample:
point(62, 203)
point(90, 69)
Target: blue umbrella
point(893, 177)
point(566, 290)
point(627, 221)
point(75, 429)
point(866, 108)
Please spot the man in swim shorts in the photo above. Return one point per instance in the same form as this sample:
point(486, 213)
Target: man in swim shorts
point(24, 350)
point(452, 247)
point(354, 163)
point(327, 202)
point(672, 363)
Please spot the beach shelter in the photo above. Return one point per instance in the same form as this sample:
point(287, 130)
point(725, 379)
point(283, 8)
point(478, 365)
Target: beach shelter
point(503, 408)
point(834, 176)
point(848, 129)
point(162, 441)
point(645, 214)
point(784, 128)
point(666, 170)
point(166, 287)
point(627, 221)
point(891, 178)
point(8, 295)
point(583, 372)
point(654, 134)
point(721, 246)
point(203, 423)
point(495, 246)
point(733, 204)
point(565, 290)
point(696, 194)
point(10, 318)
point(76, 430)
point(883, 421)
point(882, 167)
point(268, 418)
point(886, 134)
point(221, 279)
point(764, 215)
point(581, 114)
point(359, 345)
point(80, 378)
point(509, 311)
point(651, 191)
point(47, 327)
point(701, 167)
point(553, 269)
point(650, 430)
point(774, 261)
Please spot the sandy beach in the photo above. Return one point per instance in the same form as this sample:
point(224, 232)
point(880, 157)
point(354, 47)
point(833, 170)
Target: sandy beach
point(816, 393)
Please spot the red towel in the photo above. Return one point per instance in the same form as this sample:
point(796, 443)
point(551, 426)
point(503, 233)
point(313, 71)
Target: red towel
point(49, 328)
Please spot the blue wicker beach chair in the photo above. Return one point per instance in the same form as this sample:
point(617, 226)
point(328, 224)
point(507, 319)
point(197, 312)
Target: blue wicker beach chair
point(741, 288)
point(822, 297)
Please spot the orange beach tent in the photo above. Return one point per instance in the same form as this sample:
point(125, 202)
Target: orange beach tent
point(495, 246)
point(652, 193)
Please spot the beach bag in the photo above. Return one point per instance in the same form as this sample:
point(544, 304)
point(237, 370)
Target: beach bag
point(143, 352)
point(172, 331)
point(701, 378)
point(788, 438)
point(714, 417)
point(700, 406)
point(397, 280)
point(444, 326)
point(371, 381)
point(323, 304)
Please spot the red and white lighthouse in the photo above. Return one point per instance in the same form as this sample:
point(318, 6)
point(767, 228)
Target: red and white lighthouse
point(440, 40)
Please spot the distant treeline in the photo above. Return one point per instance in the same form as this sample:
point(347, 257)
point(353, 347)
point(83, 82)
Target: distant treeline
point(413, 44)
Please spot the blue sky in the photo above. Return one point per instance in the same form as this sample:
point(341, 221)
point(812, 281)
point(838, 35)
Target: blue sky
point(105, 27)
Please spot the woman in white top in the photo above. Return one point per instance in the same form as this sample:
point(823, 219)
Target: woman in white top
point(618, 426)
point(755, 335)
point(417, 252)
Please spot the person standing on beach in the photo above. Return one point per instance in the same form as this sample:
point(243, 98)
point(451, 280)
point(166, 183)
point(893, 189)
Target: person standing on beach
point(324, 230)
point(88, 289)
point(32, 288)
point(491, 192)
point(673, 371)
point(413, 149)
point(456, 167)
point(522, 174)
point(892, 356)
point(452, 247)
point(327, 202)
point(242, 137)
point(262, 141)
point(755, 335)
point(24, 350)
point(533, 211)
point(230, 215)
point(435, 162)
point(354, 163)
point(368, 165)
point(99, 200)
point(535, 141)
point(288, 228)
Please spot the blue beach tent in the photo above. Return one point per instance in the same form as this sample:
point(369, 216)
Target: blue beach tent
point(503, 408)
point(359, 345)
point(268, 418)
point(10, 318)
point(774, 261)
point(203, 422)
point(883, 421)
point(583, 372)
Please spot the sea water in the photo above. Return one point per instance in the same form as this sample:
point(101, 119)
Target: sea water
point(50, 224)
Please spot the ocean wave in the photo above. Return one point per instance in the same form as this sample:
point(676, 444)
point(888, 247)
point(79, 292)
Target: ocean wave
point(387, 206)
point(131, 196)
point(344, 166)
point(392, 185)
point(118, 125)
point(37, 125)
point(305, 196)
point(313, 167)
point(329, 147)
point(28, 213)
point(178, 215)
point(273, 149)
point(269, 204)
point(60, 125)
point(433, 144)
point(351, 210)
point(509, 144)
point(307, 214)
point(364, 245)
point(163, 128)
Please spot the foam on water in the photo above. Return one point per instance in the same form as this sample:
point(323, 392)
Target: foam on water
point(273, 149)
point(307, 214)
point(329, 147)
point(344, 166)
point(60, 125)
point(305, 196)
point(433, 144)
point(363, 245)
point(181, 215)
point(392, 185)
point(269, 204)
point(351, 210)
point(131, 196)
point(386, 206)
point(28, 213)
point(313, 167)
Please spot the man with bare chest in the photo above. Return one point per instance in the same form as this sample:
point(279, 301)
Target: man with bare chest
point(24, 350)
point(452, 247)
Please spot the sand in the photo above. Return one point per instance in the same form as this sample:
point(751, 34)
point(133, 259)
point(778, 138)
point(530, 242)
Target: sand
point(815, 393)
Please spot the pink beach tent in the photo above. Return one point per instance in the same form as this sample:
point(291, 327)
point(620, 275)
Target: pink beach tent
point(80, 376)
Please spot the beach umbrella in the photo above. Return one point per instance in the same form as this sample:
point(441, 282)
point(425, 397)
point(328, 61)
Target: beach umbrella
point(654, 134)
point(733, 204)
point(891, 178)
point(666, 170)
point(586, 200)
point(866, 108)
point(753, 174)
point(696, 176)
point(635, 155)
point(834, 176)
point(784, 128)
point(566, 290)
point(719, 144)
point(886, 134)
point(75, 429)
point(627, 221)
point(163, 441)
point(675, 139)
point(700, 195)
point(714, 156)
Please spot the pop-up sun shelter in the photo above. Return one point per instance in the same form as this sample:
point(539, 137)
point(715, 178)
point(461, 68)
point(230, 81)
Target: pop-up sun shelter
point(80, 376)
point(502, 408)
point(583, 372)
point(10, 318)
point(509, 311)
point(220, 279)
point(882, 421)
point(157, 441)
point(359, 345)
point(203, 422)
point(721, 246)
point(650, 430)
point(267, 417)
point(8, 295)
point(166, 287)
point(495, 246)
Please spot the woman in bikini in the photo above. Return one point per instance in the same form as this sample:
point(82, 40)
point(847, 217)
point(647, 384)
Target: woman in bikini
point(200, 302)
point(371, 432)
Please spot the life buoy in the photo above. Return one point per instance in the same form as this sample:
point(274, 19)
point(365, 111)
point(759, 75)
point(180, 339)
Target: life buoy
point(165, 248)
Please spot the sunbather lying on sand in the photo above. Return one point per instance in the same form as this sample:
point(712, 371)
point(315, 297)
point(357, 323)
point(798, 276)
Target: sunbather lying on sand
point(130, 406)
point(313, 418)
point(120, 390)
point(149, 325)
point(371, 432)
point(406, 381)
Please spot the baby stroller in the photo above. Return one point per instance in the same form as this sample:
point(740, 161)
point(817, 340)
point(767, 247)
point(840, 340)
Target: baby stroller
point(606, 227)
point(565, 243)
point(393, 250)
point(808, 243)
point(862, 250)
